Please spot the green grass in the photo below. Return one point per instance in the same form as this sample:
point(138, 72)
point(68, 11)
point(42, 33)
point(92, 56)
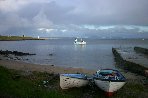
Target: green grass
point(19, 84)
point(25, 86)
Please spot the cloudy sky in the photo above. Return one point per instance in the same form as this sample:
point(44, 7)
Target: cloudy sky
point(71, 18)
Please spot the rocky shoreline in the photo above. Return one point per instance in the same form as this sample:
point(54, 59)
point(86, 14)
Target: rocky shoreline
point(16, 53)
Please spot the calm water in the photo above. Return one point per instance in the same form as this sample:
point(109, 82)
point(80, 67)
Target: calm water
point(94, 55)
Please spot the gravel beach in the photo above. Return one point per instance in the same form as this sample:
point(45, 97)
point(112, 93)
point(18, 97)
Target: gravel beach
point(18, 65)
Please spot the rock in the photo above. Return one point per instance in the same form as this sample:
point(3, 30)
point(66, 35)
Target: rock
point(44, 82)
point(146, 73)
point(16, 77)
point(16, 53)
point(50, 54)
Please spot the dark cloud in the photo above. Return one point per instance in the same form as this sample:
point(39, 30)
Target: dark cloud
point(68, 17)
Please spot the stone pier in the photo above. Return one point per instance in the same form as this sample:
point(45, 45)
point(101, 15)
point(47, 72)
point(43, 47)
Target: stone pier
point(131, 61)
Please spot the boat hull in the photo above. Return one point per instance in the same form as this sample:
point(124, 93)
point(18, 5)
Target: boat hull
point(109, 86)
point(79, 43)
point(109, 80)
point(70, 82)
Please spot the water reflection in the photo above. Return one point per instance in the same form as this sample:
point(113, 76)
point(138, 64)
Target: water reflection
point(79, 47)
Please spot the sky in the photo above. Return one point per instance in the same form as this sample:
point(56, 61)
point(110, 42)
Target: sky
point(75, 18)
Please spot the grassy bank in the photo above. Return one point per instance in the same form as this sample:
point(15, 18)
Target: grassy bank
point(14, 38)
point(20, 84)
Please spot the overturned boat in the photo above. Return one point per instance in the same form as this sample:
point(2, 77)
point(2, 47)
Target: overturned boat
point(109, 80)
point(73, 80)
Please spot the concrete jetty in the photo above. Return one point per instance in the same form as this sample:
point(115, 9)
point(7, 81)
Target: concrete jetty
point(129, 54)
point(128, 59)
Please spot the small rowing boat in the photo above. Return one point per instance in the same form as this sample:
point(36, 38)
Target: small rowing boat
point(73, 80)
point(109, 80)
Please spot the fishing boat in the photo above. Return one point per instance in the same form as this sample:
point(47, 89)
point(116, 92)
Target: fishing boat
point(73, 80)
point(82, 42)
point(109, 80)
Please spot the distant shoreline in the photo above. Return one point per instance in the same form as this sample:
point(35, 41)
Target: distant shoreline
point(21, 38)
point(18, 38)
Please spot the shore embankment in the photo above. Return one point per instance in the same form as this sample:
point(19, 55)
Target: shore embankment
point(128, 65)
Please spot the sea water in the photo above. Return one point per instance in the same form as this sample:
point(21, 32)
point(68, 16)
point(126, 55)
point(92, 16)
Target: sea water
point(96, 54)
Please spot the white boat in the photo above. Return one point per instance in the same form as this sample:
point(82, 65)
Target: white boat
point(109, 80)
point(82, 42)
point(73, 80)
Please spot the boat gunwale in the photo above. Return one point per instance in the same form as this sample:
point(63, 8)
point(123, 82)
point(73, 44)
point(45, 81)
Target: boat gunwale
point(84, 76)
point(109, 78)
